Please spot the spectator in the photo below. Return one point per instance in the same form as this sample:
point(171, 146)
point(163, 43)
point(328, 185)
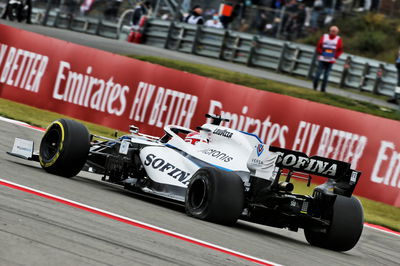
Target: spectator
point(68, 7)
point(28, 3)
point(278, 4)
point(227, 13)
point(367, 5)
point(375, 5)
point(292, 6)
point(214, 22)
point(316, 13)
point(186, 5)
point(298, 21)
point(195, 16)
point(329, 10)
point(142, 8)
point(260, 20)
point(290, 19)
point(139, 18)
point(364, 5)
point(308, 9)
point(111, 12)
point(397, 89)
point(86, 6)
point(329, 48)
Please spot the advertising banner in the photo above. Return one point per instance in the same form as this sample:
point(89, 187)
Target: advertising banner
point(118, 91)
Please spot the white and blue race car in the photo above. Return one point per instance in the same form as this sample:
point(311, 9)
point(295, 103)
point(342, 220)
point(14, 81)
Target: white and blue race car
point(218, 174)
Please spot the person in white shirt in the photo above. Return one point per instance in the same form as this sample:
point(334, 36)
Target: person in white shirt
point(214, 22)
point(396, 96)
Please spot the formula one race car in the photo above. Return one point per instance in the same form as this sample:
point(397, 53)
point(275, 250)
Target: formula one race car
point(218, 174)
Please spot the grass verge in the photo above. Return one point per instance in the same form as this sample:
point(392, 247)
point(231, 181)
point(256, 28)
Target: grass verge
point(41, 118)
point(375, 212)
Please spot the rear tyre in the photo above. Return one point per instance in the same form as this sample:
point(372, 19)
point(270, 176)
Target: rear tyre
point(64, 148)
point(215, 195)
point(347, 223)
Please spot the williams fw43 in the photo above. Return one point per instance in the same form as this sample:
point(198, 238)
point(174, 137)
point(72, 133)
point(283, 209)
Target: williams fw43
point(217, 173)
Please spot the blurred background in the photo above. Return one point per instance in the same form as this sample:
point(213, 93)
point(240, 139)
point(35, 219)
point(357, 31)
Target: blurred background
point(368, 27)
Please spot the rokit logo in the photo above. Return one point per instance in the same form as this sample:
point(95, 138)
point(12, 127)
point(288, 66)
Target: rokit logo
point(223, 132)
point(217, 154)
point(165, 167)
point(307, 164)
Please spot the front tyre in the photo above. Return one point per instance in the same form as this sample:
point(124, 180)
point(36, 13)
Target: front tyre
point(215, 195)
point(64, 148)
point(346, 226)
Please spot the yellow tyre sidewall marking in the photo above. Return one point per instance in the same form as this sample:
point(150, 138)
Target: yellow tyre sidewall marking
point(48, 164)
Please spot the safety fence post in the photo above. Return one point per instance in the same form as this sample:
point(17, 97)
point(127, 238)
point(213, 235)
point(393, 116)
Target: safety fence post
point(56, 20)
point(169, 33)
point(365, 72)
point(345, 72)
point(294, 60)
point(180, 38)
point(223, 45)
point(196, 39)
point(279, 67)
point(144, 29)
point(235, 47)
point(253, 48)
point(378, 80)
point(46, 14)
point(70, 18)
point(97, 30)
point(310, 74)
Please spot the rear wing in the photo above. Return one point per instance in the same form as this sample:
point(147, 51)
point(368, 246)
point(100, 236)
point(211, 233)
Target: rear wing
point(345, 179)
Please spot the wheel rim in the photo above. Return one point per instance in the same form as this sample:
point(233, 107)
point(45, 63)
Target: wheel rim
point(51, 144)
point(198, 194)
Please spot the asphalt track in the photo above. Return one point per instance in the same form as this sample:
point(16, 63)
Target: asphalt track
point(40, 231)
point(35, 230)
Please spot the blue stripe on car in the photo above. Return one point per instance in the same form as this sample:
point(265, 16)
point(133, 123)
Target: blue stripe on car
point(251, 134)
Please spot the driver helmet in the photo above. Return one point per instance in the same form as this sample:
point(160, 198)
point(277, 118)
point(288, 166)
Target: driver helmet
point(194, 137)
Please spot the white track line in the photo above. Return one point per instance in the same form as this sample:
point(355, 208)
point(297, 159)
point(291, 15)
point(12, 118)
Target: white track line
point(20, 123)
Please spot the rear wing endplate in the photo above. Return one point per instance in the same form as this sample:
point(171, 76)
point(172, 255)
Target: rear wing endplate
point(265, 158)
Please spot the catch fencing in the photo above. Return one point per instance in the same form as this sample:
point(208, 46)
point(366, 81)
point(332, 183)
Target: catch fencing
point(350, 71)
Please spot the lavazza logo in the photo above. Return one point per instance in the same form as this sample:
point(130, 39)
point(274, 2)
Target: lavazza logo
point(223, 132)
point(307, 164)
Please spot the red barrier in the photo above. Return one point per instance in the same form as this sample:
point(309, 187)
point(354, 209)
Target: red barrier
point(117, 91)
